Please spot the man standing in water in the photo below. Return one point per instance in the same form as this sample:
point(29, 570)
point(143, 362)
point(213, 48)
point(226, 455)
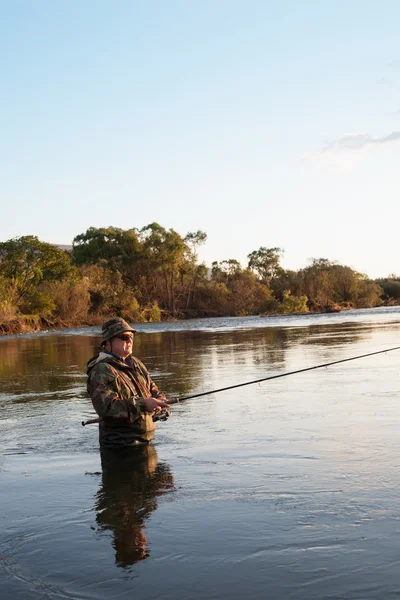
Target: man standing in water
point(122, 391)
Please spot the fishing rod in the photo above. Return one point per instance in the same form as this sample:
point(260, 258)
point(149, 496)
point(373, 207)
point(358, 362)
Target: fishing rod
point(163, 416)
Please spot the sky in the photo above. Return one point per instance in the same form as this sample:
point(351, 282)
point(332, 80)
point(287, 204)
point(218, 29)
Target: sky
point(260, 122)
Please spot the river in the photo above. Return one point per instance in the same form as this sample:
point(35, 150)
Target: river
point(286, 489)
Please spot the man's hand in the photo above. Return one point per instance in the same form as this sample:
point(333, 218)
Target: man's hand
point(155, 404)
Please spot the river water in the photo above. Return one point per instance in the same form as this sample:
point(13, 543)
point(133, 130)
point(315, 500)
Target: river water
point(284, 489)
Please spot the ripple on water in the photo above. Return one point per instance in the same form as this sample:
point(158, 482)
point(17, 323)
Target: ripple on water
point(287, 489)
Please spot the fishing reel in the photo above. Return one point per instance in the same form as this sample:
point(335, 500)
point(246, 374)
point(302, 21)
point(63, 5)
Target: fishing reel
point(162, 415)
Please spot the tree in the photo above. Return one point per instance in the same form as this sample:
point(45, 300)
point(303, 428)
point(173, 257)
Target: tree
point(193, 241)
point(369, 294)
point(326, 283)
point(248, 296)
point(27, 262)
point(265, 262)
point(118, 249)
point(317, 284)
point(109, 293)
point(165, 252)
point(158, 264)
point(287, 280)
point(225, 270)
point(196, 239)
point(390, 289)
point(346, 284)
point(294, 304)
point(8, 299)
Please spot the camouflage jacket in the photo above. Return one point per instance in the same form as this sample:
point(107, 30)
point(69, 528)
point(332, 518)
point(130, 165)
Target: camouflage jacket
point(117, 388)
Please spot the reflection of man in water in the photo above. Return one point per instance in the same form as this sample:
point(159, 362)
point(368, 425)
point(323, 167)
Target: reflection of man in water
point(130, 486)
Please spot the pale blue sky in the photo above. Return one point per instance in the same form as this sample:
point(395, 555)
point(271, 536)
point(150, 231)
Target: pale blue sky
point(263, 123)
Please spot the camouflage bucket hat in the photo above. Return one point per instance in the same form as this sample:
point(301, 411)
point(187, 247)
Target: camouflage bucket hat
point(114, 327)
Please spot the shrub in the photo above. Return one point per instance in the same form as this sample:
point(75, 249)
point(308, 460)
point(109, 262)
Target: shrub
point(39, 301)
point(8, 300)
point(154, 313)
point(293, 304)
point(71, 299)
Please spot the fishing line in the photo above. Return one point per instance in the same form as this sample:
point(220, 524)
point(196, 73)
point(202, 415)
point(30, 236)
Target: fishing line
point(238, 385)
point(336, 362)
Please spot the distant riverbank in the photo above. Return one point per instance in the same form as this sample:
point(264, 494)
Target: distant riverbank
point(35, 323)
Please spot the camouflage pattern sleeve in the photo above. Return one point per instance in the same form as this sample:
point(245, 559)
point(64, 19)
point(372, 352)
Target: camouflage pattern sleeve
point(154, 391)
point(104, 392)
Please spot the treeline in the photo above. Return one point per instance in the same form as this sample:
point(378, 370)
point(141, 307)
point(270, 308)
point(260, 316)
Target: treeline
point(153, 273)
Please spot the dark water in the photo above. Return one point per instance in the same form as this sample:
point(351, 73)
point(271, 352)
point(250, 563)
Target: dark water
point(285, 489)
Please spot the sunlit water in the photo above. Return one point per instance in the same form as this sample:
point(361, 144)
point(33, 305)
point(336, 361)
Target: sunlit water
point(283, 489)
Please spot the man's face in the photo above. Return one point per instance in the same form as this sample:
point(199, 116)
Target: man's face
point(122, 343)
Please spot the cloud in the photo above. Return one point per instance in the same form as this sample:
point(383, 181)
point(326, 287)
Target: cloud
point(360, 141)
point(394, 64)
point(385, 80)
point(348, 151)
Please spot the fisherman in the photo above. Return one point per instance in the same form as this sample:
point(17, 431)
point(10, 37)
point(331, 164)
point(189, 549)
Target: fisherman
point(123, 394)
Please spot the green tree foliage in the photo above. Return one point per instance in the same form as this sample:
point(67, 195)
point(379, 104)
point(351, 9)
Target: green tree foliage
point(326, 283)
point(369, 294)
point(154, 312)
point(226, 270)
point(156, 262)
point(166, 255)
point(213, 298)
point(27, 262)
point(148, 273)
point(286, 280)
point(238, 289)
point(317, 284)
point(8, 299)
point(294, 304)
point(37, 302)
point(71, 299)
point(196, 239)
point(109, 294)
point(266, 263)
point(390, 289)
point(346, 283)
point(197, 272)
point(247, 295)
point(119, 250)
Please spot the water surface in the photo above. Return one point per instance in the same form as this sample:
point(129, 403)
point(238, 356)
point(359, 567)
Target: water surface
point(284, 489)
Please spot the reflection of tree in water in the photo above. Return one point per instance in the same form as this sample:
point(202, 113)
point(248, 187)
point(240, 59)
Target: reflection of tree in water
point(132, 480)
point(45, 364)
point(267, 347)
point(181, 362)
point(184, 363)
point(332, 335)
point(34, 368)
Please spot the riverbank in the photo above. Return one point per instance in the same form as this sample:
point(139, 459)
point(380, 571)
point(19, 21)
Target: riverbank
point(35, 323)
